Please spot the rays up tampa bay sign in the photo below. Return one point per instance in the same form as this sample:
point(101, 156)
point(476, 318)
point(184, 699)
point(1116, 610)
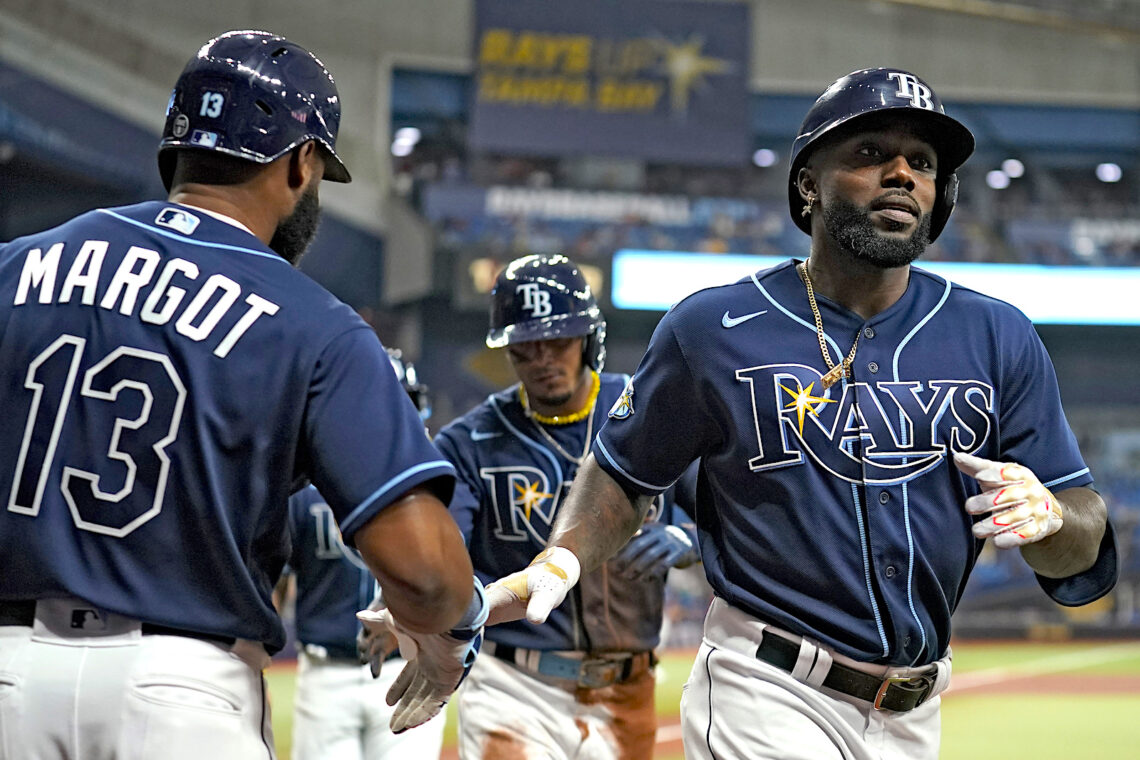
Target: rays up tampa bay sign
point(662, 80)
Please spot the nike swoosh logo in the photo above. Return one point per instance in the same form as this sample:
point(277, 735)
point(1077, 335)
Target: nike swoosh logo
point(479, 435)
point(728, 321)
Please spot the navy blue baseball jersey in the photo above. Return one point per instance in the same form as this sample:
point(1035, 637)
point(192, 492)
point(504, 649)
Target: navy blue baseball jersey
point(332, 580)
point(169, 381)
point(837, 513)
point(511, 483)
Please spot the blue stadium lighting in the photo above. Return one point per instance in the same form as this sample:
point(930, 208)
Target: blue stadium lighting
point(1108, 172)
point(1059, 295)
point(1013, 168)
point(765, 157)
point(997, 179)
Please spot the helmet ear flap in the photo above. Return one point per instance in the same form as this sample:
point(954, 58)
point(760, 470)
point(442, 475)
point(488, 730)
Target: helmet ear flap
point(944, 205)
point(594, 348)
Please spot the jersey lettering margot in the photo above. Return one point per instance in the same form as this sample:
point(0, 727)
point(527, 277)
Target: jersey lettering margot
point(510, 486)
point(854, 482)
point(169, 380)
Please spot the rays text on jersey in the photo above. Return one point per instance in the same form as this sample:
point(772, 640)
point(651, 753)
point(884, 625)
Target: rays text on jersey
point(140, 287)
point(881, 433)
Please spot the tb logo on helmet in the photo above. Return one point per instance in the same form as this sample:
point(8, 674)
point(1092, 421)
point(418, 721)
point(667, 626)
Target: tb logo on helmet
point(535, 298)
point(911, 87)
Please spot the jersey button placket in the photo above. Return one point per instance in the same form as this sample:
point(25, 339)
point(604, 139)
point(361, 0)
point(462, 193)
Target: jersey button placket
point(884, 497)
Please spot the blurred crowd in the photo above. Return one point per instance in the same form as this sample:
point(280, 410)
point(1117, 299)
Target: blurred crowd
point(1046, 216)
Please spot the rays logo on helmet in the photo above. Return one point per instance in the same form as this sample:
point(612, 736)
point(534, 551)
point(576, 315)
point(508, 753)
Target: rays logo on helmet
point(623, 407)
point(910, 87)
point(535, 298)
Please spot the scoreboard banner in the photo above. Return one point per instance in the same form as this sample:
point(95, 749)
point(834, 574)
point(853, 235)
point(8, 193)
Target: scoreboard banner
point(663, 80)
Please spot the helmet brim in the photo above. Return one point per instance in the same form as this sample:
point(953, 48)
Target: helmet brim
point(545, 328)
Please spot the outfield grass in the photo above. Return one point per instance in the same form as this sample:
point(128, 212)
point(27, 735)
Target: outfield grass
point(1007, 702)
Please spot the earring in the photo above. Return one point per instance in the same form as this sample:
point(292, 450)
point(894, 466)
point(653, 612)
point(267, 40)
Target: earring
point(808, 205)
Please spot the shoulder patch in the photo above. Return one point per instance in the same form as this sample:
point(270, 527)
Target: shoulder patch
point(623, 407)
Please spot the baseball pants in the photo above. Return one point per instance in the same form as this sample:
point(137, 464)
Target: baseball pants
point(506, 714)
point(735, 705)
point(84, 684)
point(340, 714)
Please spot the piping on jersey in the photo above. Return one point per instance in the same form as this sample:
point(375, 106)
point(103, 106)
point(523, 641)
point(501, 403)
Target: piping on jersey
point(192, 241)
point(905, 440)
point(609, 458)
point(866, 560)
point(792, 316)
point(528, 441)
point(443, 465)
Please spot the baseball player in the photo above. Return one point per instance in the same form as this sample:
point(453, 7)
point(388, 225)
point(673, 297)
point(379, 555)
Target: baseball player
point(169, 380)
point(863, 427)
point(339, 709)
point(582, 685)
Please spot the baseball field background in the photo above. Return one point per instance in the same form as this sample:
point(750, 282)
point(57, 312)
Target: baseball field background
point(1007, 701)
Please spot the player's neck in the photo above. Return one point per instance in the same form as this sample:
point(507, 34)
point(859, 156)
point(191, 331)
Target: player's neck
point(857, 285)
point(577, 406)
point(231, 202)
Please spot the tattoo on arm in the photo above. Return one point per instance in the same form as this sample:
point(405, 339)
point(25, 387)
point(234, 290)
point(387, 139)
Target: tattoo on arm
point(598, 517)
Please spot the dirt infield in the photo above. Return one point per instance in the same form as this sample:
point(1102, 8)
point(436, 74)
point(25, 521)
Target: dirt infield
point(1057, 683)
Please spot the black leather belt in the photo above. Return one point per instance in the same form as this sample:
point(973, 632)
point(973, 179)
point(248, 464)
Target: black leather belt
point(589, 672)
point(894, 694)
point(23, 613)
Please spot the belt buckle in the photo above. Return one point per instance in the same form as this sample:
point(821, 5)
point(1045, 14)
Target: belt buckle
point(596, 673)
point(911, 684)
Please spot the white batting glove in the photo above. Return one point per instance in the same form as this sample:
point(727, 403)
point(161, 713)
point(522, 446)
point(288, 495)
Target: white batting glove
point(1022, 511)
point(535, 591)
point(437, 663)
point(376, 640)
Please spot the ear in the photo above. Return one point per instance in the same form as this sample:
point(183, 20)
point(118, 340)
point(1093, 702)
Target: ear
point(304, 162)
point(805, 183)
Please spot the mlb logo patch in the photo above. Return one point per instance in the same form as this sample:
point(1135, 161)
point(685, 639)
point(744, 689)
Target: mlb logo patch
point(87, 619)
point(178, 220)
point(203, 138)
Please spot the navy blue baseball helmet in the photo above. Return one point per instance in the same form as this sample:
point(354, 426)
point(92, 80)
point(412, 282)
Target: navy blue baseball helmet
point(860, 95)
point(544, 297)
point(406, 373)
point(256, 96)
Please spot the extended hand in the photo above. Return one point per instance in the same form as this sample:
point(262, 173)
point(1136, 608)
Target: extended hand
point(654, 549)
point(437, 662)
point(376, 640)
point(1022, 511)
point(535, 591)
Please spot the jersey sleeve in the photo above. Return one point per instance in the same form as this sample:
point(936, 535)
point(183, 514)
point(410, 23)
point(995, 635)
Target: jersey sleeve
point(1034, 432)
point(1033, 428)
point(657, 426)
point(366, 442)
point(464, 505)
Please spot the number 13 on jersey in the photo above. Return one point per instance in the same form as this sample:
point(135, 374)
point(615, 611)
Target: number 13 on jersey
point(130, 403)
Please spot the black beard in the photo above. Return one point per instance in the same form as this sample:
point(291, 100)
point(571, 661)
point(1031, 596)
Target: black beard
point(852, 228)
point(555, 401)
point(292, 237)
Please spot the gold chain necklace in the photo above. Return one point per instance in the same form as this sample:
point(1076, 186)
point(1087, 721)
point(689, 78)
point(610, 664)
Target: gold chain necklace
point(540, 420)
point(564, 419)
point(834, 372)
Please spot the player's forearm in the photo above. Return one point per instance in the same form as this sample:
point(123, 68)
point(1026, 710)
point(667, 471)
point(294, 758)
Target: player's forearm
point(598, 517)
point(1073, 549)
point(417, 554)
